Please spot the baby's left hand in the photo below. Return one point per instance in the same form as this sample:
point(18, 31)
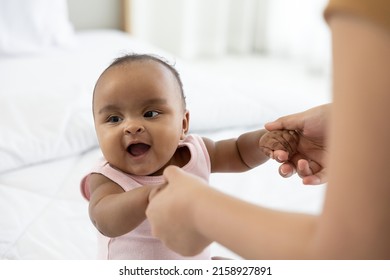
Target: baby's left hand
point(285, 142)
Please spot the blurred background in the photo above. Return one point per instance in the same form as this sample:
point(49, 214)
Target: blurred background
point(218, 29)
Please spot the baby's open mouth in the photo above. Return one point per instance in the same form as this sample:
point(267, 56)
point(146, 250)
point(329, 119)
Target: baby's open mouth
point(138, 149)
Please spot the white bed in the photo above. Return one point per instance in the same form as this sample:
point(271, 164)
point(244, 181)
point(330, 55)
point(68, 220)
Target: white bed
point(47, 140)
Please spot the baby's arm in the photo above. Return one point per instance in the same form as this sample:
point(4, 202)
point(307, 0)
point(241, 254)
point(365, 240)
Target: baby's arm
point(113, 211)
point(236, 154)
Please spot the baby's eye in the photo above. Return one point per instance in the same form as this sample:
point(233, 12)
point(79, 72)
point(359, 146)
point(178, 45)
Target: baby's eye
point(114, 119)
point(151, 114)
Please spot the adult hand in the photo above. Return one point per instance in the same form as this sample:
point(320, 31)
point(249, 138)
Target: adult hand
point(309, 160)
point(169, 212)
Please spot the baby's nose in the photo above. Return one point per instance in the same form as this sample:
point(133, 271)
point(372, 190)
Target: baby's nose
point(134, 128)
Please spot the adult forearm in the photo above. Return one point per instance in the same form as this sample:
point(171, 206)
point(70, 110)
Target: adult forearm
point(254, 232)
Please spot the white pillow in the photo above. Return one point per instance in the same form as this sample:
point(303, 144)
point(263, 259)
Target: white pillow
point(34, 26)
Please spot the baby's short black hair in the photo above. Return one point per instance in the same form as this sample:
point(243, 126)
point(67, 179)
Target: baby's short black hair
point(132, 57)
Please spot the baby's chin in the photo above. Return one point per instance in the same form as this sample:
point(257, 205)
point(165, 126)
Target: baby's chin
point(138, 169)
point(158, 171)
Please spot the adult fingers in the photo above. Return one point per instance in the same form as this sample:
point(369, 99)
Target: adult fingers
point(316, 179)
point(155, 190)
point(286, 170)
point(290, 122)
point(171, 172)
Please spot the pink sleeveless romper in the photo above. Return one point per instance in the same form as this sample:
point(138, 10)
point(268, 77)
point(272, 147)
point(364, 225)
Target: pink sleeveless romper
point(139, 244)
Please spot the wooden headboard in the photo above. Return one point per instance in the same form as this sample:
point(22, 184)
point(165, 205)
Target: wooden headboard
point(98, 14)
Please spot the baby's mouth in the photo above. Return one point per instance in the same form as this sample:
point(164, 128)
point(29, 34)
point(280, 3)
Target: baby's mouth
point(138, 149)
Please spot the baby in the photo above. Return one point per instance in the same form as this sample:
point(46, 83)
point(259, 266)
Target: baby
point(142, 125)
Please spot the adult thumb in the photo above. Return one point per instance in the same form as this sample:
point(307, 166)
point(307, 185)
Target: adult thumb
point(172, 172)
point(290, 122)
point(169, 173)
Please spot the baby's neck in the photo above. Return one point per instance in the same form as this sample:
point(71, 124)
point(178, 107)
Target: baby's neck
point(180, 158)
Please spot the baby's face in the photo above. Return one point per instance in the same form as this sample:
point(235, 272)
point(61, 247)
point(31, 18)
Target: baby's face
point(139, 116)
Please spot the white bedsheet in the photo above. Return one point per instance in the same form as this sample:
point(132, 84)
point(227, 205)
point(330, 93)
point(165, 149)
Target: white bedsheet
point(47, 140)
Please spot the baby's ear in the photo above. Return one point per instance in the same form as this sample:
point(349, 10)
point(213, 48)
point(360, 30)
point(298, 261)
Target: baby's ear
point(185, 124)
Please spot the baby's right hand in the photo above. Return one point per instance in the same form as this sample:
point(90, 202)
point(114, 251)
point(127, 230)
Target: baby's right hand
point(280, 145)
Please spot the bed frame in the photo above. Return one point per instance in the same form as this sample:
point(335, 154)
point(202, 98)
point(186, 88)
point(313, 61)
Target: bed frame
point(126, 15)
point(107, 14)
